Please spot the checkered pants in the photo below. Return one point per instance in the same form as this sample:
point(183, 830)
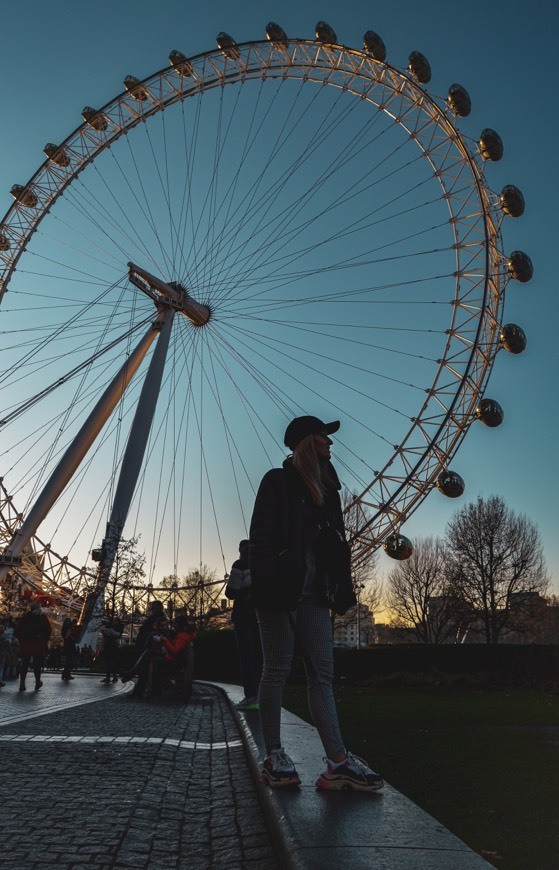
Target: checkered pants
point(313, 627)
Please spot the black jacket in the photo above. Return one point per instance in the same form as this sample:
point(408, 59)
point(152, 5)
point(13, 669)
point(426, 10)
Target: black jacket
point(284, 525)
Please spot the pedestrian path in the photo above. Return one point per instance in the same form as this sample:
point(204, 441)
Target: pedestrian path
point(56, 694)
point(92, 778)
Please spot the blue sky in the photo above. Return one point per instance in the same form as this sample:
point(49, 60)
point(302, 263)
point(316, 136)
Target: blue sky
point(55, 58)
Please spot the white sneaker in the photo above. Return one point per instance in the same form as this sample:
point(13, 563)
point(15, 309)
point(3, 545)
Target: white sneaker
point(278, 769)
point(353, 774)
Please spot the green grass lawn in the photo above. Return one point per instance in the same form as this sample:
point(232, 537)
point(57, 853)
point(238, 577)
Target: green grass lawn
point(484, 763)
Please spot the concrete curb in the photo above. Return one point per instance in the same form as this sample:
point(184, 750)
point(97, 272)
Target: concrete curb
point(317, 830)
point(278, 824)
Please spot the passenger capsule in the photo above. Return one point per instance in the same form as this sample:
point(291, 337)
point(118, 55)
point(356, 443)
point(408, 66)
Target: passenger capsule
point(24, 195)
point(180, 63)
point(56, 154)
point(490, 413)
point(275, 33)
point(512, 201)
point(398, 547)
point(325, 33)
point(491, 145)
point(4, 243)
point(513, 338)
point(520, 266)
point(373, 44)
point(450, 484)
point(136, 89)
point(459, 101)
point(227, 45)
point(419, 67)
point(95, 119)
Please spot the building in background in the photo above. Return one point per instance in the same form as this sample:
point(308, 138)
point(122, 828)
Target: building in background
point(355, 629)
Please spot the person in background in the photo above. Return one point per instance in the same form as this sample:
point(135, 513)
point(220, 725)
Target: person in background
point(245, 625)
point(4, 650)
point(151, 646)
point(33, 632)
point(300, 569)
point(69, 635)
point(167, 652)
point(155, 612)
point(11, 669)
point(111, 634)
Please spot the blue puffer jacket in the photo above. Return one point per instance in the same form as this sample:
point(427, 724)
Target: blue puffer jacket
point(284, 525)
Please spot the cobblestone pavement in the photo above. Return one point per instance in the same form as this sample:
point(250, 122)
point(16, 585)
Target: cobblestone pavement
point(123, 783)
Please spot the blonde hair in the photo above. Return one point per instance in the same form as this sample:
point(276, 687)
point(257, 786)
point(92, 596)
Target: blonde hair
point(315, 473)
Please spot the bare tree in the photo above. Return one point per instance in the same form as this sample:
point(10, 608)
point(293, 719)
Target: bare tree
point(419, 594)
point(198, 594)
point(11, 599)
point(127, 572)
point(496, 565)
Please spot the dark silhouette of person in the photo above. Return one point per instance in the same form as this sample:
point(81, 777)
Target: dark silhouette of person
point(33, 632)
point(245, 626)
point(70, 633)
point(111, 633)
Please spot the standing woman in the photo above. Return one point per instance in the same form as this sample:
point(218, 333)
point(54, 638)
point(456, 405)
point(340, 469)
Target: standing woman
point(300, 569)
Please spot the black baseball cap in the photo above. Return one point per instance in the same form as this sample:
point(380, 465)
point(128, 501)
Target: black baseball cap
point(300, 427)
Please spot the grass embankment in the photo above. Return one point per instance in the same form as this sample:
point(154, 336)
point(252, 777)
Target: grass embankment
point(484, 763)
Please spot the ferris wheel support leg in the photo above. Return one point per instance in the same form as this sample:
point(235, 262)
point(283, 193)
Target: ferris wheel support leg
point(90, 629)
point(76, 451)
point(128, 477)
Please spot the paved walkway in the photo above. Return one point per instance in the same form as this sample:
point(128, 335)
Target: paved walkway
point(122, 783)
point(93, 778)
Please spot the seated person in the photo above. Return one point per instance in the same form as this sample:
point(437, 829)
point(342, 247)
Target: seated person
point(167, 652)
point(149, 625)
point(151, 647)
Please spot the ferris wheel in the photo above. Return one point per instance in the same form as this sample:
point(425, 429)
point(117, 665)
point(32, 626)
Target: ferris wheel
point(267, 229)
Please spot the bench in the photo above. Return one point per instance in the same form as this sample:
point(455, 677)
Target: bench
point(179, 681)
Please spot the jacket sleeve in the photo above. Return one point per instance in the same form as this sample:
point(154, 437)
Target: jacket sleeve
point(182, 641)
point(344, 596)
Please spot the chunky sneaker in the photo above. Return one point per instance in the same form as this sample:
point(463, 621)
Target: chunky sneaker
point(277, 770)
point(353, 774)
point(248, 705)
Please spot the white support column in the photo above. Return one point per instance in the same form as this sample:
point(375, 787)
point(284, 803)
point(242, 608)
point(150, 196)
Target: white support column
point(78, 449)
point(130, 469)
